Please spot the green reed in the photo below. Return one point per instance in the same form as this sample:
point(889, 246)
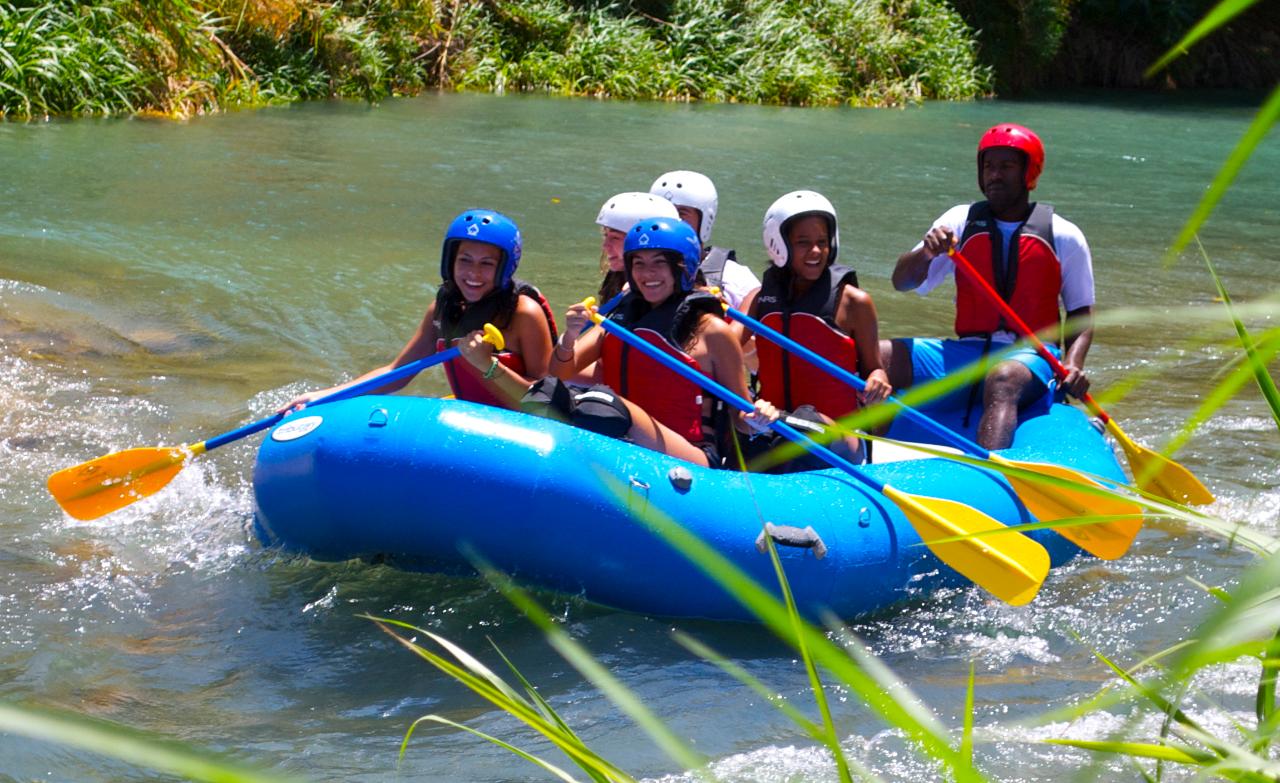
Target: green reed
point(1244, 626)
point(184, 57)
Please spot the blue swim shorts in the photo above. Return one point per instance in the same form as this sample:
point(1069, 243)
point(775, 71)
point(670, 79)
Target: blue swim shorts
point(932, 358)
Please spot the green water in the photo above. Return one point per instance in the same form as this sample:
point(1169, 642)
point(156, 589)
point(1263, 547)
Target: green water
point(163, 282)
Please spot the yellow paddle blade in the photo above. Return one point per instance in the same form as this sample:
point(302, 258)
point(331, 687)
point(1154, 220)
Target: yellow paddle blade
point(102, 485)
point(1047, 502)
point(1155, 473)
point(1009, 565)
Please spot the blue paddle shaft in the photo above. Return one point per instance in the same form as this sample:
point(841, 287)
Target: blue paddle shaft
point(710, 385)
point(355, 390)
point(782, 340)
point(605, 309)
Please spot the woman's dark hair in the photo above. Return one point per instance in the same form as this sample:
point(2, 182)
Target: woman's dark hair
point(611, 285)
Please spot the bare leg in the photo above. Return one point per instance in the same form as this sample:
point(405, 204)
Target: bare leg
point(895, 355)
point(1008, 387)
point(648, 432)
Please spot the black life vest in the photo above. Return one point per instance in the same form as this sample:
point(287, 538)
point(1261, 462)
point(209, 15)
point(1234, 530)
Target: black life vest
point(466, 382)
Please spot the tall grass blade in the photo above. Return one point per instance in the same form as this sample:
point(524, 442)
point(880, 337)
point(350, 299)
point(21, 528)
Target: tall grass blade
point(537, 698)
point(1265, 704)
point(735, 671)
point(129, 745)
point(1218, 16)
point(1141, 749)
point(482, 682)
point(881, 691)
point(966, 742)
point(1257, 131)
point(831, 738)
point(1261, 352)
point(529, 757)
point(1266, 383)
point(589, 667)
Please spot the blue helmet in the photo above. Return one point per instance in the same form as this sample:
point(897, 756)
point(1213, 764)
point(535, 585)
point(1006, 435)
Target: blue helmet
point(672, 235)
point(492, 228)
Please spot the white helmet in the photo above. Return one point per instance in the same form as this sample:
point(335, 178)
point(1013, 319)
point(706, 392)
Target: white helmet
point(796, 204)
point(626, 209)
point(690, 189)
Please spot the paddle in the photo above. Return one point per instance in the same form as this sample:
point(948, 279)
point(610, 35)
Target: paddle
point(1107, 540)
point(97, 487)
point(1010, 566)
point(1152, 471)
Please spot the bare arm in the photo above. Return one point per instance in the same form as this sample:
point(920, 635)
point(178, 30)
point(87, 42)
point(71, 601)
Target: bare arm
point(1079, 340)
point(727, 367)
point(420, 345)
point(913, 266)
point(856, 317)
point(571, 355)
point(527, 336)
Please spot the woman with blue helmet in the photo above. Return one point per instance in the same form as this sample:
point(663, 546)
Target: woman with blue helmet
point(640, 399)
point(617, 216)
point(478, 262)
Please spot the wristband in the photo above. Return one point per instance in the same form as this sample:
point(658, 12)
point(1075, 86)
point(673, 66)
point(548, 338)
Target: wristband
point(557, 351)
point(493, 368)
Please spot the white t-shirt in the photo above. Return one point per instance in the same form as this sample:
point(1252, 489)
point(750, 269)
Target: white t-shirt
point(736, 281)
point(1068, 243)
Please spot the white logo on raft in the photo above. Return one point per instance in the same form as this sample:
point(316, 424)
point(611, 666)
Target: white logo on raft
point(292, 430)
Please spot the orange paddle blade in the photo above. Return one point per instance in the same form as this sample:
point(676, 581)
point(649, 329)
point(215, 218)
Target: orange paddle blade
point(100, 486)
point(1106, 539)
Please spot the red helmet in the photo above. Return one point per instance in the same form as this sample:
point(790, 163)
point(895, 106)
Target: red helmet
point(1020, 138)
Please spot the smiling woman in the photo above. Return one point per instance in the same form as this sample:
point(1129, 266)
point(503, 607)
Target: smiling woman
point(478, 263)
point(646, 403)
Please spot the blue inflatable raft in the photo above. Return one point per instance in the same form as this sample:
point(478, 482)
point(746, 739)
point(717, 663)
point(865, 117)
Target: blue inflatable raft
point(418, 482)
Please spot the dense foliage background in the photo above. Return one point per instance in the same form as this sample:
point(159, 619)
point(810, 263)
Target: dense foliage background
point(180, 57)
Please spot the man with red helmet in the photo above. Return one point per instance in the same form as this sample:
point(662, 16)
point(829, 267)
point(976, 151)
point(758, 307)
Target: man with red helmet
point(1036, 260)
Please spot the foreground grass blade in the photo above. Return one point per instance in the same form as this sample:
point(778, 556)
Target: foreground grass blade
point(1219, 15)
point(1011, 567)
point(493, 689)
point(1007, 564)
point(1266, 384)
point(1108, 540)
point(1152, 472)
point(861, 672)
point(1256, 132)
point(529, 757)
point(589, 667)
point(128, 745)
point(829, 735)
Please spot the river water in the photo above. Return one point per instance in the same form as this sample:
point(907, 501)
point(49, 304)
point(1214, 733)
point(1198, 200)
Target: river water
point(163, 282)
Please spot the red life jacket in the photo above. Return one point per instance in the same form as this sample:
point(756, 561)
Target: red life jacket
point(1030, 280)
point(465, 380)
point(667, 397)
point(791, 381)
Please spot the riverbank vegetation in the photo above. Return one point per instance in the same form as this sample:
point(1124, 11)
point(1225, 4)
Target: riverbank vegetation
point(184, 57)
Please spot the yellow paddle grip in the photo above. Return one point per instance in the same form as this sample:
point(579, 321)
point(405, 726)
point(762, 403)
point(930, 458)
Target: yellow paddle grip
point(493, 336)
point(592, 313)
